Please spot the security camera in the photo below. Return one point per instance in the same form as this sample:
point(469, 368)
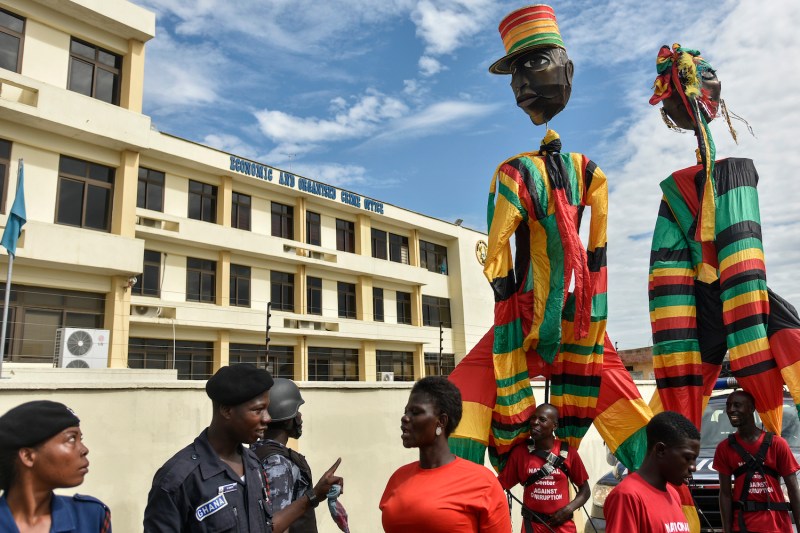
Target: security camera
point(132, 281)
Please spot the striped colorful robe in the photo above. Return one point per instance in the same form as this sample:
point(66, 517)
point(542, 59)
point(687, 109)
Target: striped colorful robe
point(707, 298)
point(538, 199)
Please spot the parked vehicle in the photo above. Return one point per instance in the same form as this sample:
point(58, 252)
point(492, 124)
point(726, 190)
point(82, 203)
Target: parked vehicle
point(705, 485)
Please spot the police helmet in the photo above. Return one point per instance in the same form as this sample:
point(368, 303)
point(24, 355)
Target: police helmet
point(284, 400)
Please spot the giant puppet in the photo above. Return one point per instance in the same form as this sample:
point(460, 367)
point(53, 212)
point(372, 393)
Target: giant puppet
point(708, 284)
point(541, 327)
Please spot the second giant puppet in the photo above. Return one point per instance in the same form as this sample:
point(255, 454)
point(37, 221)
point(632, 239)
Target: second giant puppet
point(541, 328)
point(708, 283)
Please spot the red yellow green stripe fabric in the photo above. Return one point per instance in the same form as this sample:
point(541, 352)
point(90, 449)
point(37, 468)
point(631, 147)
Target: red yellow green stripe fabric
point(709, 298)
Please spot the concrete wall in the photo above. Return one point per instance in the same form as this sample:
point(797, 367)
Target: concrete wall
point(134, 421)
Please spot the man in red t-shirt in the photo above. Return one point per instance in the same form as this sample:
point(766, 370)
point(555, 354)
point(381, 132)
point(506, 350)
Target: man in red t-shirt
point(645, 502)
point(547, 498)
point(765, 485)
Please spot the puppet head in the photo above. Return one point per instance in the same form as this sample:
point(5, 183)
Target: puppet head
point(541, 72)
point(687, 86)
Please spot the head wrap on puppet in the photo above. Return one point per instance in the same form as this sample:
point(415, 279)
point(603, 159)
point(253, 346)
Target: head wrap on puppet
point(680, 70)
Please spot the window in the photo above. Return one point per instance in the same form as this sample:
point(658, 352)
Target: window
point(435, 310)
point(313, 228)
point(347, 299)
point(12, 31)
point(377, 304)
point(345, 236)
point(282, 221)
point(280, 362)
point(240, 211)
point(148, 282)
point(94, 71)
point(313, 296)
point(403, 307)
point(150, 192)
point(379, 243)
point(282, 291)
point(398, 248)
point(5, 163)
point(201, 280)
point(401, 363)
point(240, 285)
point(193, 359)
point(433, 257)
point(439, 366)
point(35, 313)
point(332, 364)
point(202, 201)
point(85, 191)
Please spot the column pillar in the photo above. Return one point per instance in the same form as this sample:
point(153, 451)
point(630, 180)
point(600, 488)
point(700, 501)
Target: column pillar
point(367, 362)
point(363, 235)
point(225, 201)
point(117, 321)
point(419, 362)
point(300, 304)
point(301, 359)
point(126, 181)
point(416, 305)
point(223, 288)
point(413, 248)
point(300, 219)
point(364, 309)
point(132, 89)
point(222, 349)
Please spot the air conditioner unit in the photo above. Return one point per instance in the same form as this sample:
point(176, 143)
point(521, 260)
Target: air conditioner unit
point(387, 376)
point(81, 348)
point(148, 311)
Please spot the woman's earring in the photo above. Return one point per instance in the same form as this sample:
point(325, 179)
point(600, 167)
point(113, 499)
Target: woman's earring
point(438, 431)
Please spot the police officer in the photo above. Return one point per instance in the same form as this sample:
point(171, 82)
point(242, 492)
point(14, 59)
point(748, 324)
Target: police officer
point(41, 449)
point(287, 470)
point(215, 483)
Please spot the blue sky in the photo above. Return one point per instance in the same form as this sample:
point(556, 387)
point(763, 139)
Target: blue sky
point(392, 99)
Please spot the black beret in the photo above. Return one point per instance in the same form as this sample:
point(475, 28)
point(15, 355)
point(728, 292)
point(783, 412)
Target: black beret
point(236, 384)
point(34, 422)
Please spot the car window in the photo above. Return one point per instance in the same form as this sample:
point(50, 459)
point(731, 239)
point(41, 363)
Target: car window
point(716, 426)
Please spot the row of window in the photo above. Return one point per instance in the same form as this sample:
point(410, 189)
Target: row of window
point(201, 276)
point(36, 313)
point(93, 71)
point(194, 360)
point(86, 190)
point(85, 196)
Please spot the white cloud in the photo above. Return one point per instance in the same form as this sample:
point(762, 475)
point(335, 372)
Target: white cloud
point(190, 81)
point(447, 25)
point(429, 66)
point(231, 144)
point(441, 116)
point(333, 173)
point(615, 31)
point(749, 49)
point(357, 121)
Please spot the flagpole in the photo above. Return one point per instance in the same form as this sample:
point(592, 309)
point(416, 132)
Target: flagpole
point(5, 312)
point(16, 219)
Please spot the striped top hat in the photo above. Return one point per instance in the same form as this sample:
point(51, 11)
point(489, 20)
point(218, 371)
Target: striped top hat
point(526, 29)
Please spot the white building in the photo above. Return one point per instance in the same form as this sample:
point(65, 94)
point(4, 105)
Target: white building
point(358, 286)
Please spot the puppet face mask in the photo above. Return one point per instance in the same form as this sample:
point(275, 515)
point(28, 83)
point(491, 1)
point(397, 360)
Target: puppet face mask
point(542, 83)
point(708, 101)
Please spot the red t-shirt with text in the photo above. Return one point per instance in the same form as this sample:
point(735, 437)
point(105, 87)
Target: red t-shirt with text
point(550, 493)
point(780, 458)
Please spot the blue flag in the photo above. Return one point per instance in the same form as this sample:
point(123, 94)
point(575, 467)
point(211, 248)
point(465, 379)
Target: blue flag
point(17, 217)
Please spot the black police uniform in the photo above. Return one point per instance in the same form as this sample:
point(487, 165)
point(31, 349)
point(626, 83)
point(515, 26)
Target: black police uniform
point(196, 492)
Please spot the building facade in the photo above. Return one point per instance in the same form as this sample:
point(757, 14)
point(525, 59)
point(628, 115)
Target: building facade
point(359, 289)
